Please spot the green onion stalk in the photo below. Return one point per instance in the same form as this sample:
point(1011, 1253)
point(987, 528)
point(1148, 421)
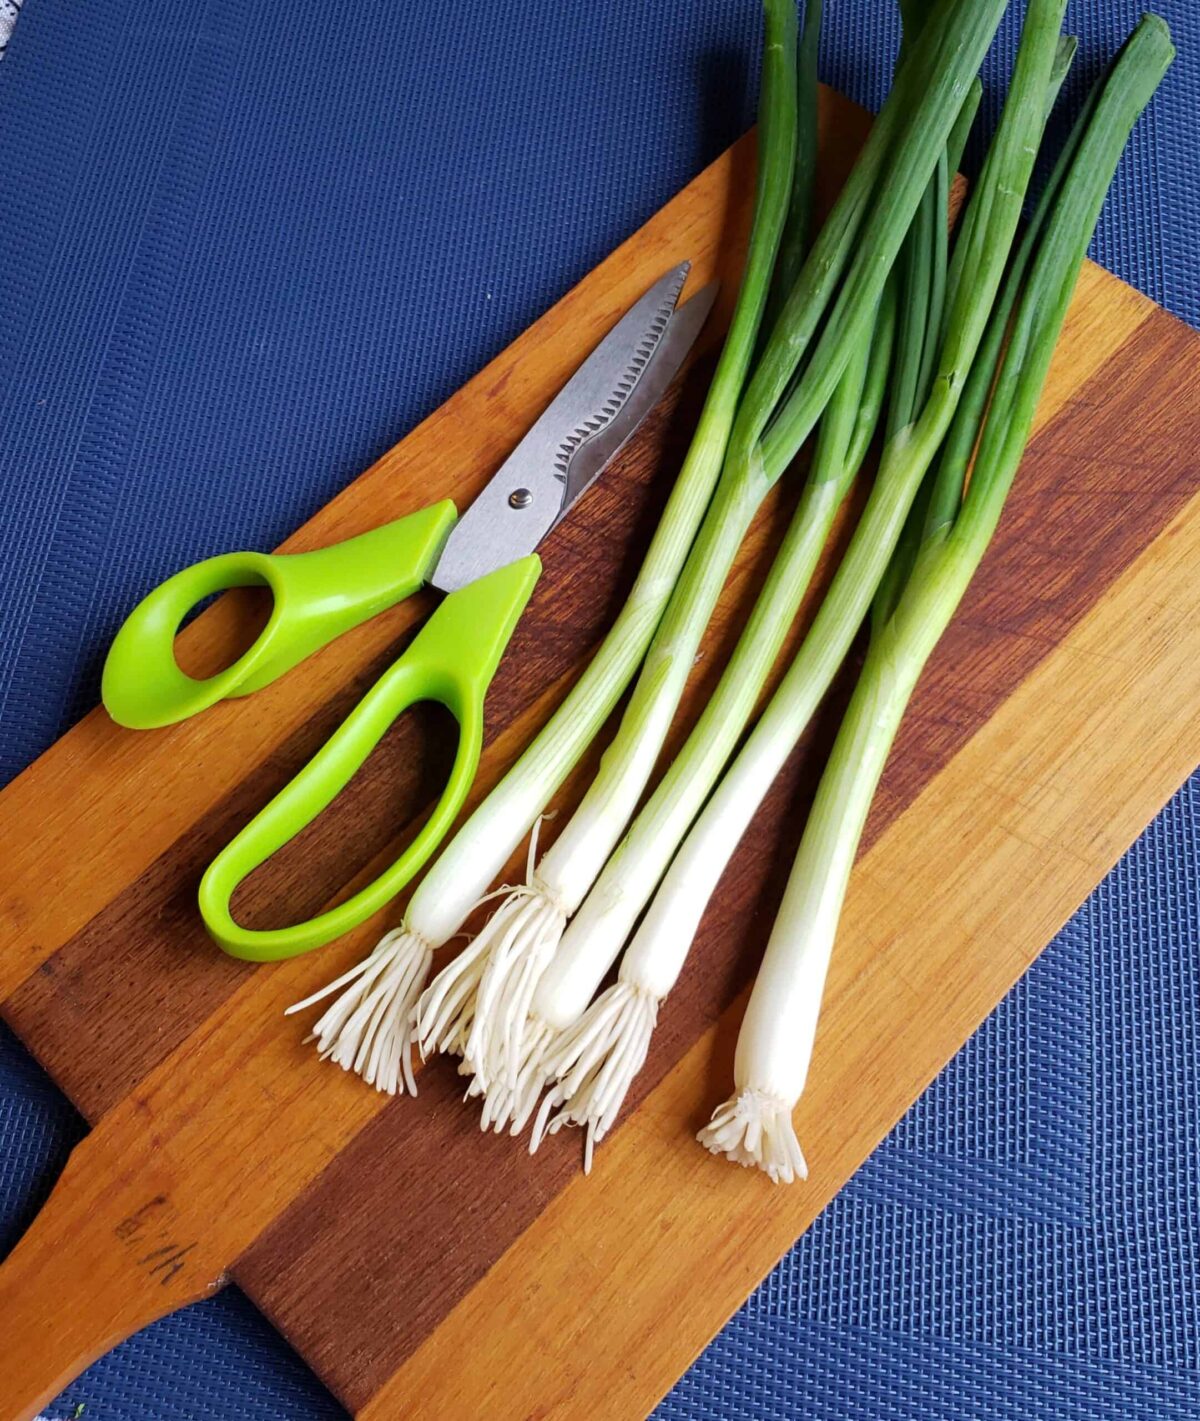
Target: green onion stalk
point(754, 1127)
point(590, 1069)
point(368, 1026)
point(797, 230)
point(518, 1007)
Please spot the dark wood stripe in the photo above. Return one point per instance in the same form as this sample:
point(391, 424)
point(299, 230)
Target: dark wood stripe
point(417, 1208)
point(116, 999)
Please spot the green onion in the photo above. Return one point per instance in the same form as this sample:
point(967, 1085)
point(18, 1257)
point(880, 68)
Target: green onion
point(367, 1028)
point(774, 1047)
point(930, 504)
point(923, 262)
point(511, 1028)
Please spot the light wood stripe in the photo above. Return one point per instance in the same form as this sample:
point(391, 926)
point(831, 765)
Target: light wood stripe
point(1037, 808)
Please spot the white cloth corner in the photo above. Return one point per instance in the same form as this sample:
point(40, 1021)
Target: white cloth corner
point(8, 18)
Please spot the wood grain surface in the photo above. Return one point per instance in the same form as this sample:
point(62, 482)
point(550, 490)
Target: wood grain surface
point(389, 1239)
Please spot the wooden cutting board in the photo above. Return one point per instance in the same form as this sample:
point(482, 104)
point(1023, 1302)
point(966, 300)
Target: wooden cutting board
point(422, 1268)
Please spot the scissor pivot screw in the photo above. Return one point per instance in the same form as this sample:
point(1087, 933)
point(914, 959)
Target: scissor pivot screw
point(520, 498)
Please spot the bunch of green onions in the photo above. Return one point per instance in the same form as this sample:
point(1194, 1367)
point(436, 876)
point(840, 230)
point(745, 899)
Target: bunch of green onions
point(592, 1055)
point(944, 310)
point(529, 984)
point(875, 323)
point(595, 1057)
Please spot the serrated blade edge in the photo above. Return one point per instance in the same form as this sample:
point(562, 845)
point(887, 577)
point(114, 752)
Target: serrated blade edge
point(548, 470)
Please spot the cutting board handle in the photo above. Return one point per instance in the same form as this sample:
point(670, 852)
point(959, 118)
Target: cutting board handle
point(102, 1259)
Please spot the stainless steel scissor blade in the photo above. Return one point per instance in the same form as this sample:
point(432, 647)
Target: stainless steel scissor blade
point(580, 432)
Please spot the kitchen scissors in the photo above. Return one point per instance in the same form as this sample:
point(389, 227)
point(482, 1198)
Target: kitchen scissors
point(484, 562)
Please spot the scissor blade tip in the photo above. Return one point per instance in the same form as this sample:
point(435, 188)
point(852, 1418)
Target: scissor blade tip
point(672, 280)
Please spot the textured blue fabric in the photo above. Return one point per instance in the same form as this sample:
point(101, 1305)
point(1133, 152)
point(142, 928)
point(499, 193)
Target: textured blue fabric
point(1024, 1244)
point(243, 248)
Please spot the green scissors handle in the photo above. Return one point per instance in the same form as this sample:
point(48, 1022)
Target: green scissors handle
point(452, 661)
point(317, 595)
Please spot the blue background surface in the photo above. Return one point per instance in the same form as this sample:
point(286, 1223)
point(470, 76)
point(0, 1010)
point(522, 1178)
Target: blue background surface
point(243, 248)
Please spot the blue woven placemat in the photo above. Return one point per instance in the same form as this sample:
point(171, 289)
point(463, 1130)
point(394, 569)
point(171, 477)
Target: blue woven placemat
point(243, 248)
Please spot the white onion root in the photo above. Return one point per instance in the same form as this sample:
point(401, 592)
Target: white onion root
point(755, 1129)
point(593, 1063)
point(368, 1029)
point(509, 1106)
point(477, 1007)
point(445, 1011)
point(531, 927)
